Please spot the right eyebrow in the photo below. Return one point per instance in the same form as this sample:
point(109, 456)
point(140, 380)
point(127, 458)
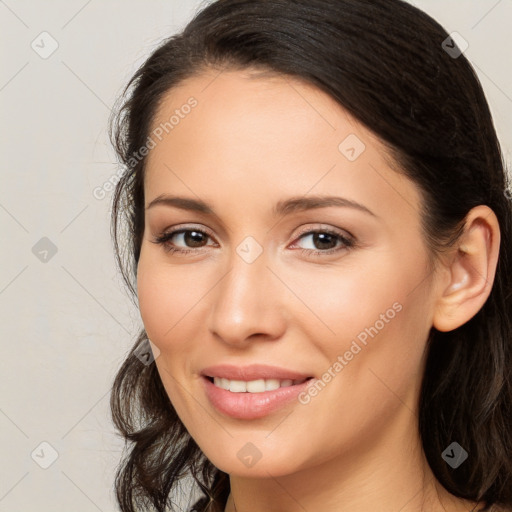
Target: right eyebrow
point(184, 203)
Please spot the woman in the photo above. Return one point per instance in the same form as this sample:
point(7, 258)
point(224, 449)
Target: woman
point(319, 240)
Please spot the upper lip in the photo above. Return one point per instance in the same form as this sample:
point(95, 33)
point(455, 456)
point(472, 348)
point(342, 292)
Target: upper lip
point(252, 372)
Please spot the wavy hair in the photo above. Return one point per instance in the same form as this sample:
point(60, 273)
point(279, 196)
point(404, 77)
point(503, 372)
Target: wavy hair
point(387, 63)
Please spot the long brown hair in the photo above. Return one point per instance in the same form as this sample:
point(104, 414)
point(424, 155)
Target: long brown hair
point(386, 63)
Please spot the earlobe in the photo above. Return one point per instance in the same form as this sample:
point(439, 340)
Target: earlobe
point(471, 269)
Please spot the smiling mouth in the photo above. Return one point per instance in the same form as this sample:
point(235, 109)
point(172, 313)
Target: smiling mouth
point(254, 386)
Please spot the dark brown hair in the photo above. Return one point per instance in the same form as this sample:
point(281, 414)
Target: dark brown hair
point(384, 62)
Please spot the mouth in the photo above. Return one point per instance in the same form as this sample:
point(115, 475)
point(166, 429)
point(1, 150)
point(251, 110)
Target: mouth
point(255, 385)
point(254, 399)
point(252, 391)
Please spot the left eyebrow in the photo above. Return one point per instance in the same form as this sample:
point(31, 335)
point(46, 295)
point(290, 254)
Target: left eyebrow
point(282, 208)
point(298, 204)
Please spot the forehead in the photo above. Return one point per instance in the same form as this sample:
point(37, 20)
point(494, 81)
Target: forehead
point(268, 137)
point(267, 101)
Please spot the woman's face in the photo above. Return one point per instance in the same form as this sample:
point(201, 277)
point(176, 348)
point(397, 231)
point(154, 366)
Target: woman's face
point(276, 276)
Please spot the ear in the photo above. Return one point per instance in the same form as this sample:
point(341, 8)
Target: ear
point(469, 270)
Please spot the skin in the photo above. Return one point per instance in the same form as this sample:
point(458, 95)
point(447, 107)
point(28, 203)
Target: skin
point(249, 143)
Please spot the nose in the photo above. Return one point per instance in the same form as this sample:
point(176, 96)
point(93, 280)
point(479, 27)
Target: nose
point(247, 303)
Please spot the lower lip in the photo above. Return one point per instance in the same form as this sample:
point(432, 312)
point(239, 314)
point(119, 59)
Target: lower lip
point(250, 406)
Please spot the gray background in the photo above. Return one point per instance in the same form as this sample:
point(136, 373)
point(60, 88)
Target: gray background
point(66, 321)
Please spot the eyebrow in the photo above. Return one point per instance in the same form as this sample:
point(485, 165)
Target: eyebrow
point(282, 208)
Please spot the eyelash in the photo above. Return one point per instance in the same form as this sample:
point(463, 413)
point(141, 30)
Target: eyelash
point(163, 239)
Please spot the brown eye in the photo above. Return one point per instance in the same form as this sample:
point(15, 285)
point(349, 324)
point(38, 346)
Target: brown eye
point(326, 242)
point(188, 238)
point(193, 238)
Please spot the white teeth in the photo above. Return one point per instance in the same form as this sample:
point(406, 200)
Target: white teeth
point(237, 386)
point(271, 384)
point(254, 386)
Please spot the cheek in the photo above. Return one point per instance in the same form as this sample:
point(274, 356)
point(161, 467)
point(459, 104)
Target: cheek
point(386, 328)
point(335, 304)
point(152, 299)
point(373, 314)
point(173, 304)
point(164, 299)
point(166, 304)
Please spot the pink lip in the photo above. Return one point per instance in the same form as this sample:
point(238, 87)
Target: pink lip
point(252, 372)
point(250, 406)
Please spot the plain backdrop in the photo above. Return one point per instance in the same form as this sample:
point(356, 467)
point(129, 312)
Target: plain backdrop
point(66, 320)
